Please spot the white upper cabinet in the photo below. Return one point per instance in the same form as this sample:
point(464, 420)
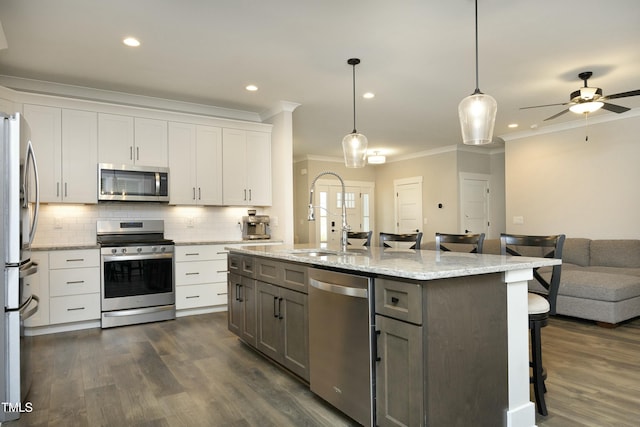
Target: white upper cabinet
point(66, 147)
point(195, 162)
point(246, 167)
point(125, 140)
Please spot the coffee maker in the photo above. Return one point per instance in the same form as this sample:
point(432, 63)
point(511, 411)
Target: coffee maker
point(255, 227)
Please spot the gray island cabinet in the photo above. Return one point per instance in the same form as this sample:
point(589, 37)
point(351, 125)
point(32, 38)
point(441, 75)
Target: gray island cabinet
point(450, 340)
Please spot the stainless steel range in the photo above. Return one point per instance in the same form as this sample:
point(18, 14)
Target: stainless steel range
point(137, 274)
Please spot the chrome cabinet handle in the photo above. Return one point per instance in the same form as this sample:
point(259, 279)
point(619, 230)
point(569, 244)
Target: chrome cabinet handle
point(339, 289)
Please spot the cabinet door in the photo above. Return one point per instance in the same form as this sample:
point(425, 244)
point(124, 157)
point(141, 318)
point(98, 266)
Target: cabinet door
point(294, 323)
point(150, 142)
point(208, 165)
point(249, 323)
point(399, 374)
point(46, 136)
point(258, 160)
point(234, 304)
point(182, 161)
point(79, 156)
point(115, 139)
point(269, 320)
point(234, 167)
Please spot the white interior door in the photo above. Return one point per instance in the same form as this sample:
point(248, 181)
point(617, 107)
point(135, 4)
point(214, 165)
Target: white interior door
point(474, 203)
point(408, 209)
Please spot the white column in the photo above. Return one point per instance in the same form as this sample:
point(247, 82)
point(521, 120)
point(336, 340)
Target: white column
point(521, 411)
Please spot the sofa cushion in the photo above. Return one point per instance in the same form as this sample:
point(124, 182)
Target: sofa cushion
point(598, 286)
point(612, 270)
point(576, 251)
point(615, 253)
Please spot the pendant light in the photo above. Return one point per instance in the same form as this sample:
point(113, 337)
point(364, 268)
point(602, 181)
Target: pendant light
point(477, 111)
point(354, 144)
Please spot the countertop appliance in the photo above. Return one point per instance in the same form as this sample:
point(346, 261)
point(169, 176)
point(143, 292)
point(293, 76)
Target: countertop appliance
point(137, 283)
point(19, 216)
point(129, 183)
point(341, 337)
point(255, 227)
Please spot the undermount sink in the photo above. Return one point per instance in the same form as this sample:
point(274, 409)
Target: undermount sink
point(313, 252)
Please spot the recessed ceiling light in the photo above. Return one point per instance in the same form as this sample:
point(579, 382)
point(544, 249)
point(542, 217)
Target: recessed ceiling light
point(131, 41)
point(512, 125)
point(251, 88)
point(369, 95)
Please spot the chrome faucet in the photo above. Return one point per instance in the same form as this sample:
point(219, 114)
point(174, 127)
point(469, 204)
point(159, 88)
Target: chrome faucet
point(311, 217)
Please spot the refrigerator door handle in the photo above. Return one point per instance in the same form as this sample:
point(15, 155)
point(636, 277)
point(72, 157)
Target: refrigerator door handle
point(31, 156)
point(28, 269)
point(27, 314)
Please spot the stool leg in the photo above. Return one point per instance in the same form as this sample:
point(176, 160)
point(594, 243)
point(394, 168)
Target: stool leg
point(536, 363)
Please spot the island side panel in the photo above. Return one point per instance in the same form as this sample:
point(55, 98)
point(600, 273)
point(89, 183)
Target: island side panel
point(466, 360)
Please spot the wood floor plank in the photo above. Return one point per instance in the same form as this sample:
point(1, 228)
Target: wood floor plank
point(193, 372)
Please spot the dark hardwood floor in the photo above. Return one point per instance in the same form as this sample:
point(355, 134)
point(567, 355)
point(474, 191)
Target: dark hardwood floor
point(193, 372)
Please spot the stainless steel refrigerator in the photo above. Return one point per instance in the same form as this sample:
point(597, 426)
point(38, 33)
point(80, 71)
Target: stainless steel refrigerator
point(20, 199)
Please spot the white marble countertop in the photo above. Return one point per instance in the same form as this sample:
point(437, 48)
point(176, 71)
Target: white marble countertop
point(403, 263)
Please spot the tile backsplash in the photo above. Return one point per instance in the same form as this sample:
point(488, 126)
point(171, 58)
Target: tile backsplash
point(60, 225)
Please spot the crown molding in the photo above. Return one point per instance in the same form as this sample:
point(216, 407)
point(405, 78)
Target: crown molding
point(280, 107)
point(122, 98)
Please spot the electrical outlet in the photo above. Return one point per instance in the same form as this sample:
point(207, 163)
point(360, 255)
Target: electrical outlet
point(274, 221)
point(518, 220)
point(190, 222)
point(57, 223)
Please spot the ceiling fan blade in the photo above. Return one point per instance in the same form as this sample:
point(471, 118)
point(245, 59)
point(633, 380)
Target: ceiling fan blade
point(556, 115)
point(615, 108)
point(545, 105)
point(623, 94)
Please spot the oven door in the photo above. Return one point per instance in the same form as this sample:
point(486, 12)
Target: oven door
point(136, 281)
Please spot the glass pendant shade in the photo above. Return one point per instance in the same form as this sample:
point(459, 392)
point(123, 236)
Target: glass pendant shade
point(477, 114)
point(354, 146)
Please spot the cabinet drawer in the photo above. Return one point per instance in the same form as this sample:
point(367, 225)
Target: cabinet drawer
point(74, 308)
point(193, 296)
point(294, 276)
point(242, 265)
point(74, 259)
point(191, 273)
point(399, 300)
point(74, 281)
point(268, 270)
point(200, 253)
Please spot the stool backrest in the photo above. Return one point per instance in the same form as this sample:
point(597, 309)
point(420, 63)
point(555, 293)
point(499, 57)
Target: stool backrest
point(475, 240)
point(360, 235)
point(390, 237)
point(550, 247)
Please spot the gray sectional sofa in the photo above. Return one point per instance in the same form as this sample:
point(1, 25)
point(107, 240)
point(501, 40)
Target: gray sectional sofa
point(600, 279)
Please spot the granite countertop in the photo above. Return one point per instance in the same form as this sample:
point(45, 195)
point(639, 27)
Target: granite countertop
point(80, 246)
point(403, 263)
point(65, 247)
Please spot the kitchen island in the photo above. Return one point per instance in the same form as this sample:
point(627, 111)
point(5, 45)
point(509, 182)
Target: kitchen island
point(450, 340)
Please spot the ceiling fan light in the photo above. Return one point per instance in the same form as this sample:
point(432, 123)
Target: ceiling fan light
point(586, 107)
point(354, 146)
point(477, 114)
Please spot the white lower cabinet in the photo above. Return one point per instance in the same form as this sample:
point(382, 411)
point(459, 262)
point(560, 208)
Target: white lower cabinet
point(201, 276)
point(74, 286)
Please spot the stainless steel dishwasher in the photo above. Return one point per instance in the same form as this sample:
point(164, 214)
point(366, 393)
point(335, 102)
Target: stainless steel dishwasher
point(341, 333)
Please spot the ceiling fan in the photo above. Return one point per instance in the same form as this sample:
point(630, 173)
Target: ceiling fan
point(589, 99)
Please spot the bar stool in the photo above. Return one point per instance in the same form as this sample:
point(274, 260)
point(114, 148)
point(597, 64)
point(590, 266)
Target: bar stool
point(540, 305)
point(390, 237)
point(360, 235)
point(475, 240)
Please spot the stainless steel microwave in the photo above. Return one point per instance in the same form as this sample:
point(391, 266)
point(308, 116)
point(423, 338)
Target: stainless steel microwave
point(128, 183)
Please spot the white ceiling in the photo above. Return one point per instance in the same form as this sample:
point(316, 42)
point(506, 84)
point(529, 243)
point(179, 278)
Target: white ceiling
point(417, 57)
